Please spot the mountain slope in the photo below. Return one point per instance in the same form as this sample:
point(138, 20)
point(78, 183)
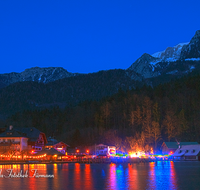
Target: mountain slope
point(69, 91)
point(36, 74)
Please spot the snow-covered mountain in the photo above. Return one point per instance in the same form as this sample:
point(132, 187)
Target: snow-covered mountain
point(44, 75)
point(171, 53)
point(177, 60)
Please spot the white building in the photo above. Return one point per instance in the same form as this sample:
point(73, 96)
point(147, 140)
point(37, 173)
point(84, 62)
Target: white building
point(188, 152)
point(12, 140)
point(105, 150)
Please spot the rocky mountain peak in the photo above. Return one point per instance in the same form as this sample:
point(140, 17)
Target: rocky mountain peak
point(192, 50)
point(171, 53)
point(45, 75)
point(144, 65)
point(170, 61)
point(37, 74)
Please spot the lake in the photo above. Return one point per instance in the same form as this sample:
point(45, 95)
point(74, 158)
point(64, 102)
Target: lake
point(160, 175)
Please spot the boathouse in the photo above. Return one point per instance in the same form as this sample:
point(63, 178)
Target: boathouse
point(171, 147)
point(187, 152)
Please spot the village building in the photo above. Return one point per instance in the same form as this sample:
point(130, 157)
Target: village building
point(11, 140)
point(22, 139)
point(36, 138)
point(59, 146)
point(105, 150)
point(171, 147)
point(50, 154)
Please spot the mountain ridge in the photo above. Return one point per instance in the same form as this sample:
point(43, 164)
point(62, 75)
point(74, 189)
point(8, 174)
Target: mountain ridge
point(146, 66)
point(58, 87)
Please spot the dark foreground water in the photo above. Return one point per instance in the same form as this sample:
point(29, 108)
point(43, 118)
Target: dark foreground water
point(163, 175)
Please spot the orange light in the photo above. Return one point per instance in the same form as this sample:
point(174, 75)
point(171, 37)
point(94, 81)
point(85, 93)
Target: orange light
point(87, 151)
point(77, 150)
point(171, 152)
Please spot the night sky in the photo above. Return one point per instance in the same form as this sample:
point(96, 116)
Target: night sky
point(85, 36)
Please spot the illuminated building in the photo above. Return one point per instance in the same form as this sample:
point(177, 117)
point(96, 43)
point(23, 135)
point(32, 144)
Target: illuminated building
point(188, 152)
point(13, 140)
point(22, 138)
point(171, 147)
point(36, 138)
point(105, 150)
point(59, 146)
point(50, 154)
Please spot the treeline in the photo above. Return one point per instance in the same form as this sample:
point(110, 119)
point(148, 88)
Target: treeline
point(29, 95)
point(133, 119)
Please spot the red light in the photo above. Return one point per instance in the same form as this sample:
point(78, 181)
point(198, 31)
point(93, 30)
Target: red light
point(87, 151)
point(32, 151)
point(77, 150)
point(171, 152)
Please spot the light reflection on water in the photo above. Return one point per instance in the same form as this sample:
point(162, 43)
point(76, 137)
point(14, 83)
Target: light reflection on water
point(154, 175)
point(162, 175)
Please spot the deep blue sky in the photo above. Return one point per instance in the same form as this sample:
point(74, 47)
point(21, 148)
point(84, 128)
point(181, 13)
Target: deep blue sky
point(90, 35)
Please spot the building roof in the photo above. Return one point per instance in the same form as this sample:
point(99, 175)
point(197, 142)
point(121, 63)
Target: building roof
point(175, 145)
point(30, 132)
point(105, 145)
point(188, 150)
point(50, 152)
point(52, 141)
point(11, 133)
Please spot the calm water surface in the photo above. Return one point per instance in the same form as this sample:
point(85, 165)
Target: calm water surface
point(163, 175)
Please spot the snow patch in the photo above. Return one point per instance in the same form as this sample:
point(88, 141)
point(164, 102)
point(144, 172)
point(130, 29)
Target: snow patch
point(192, 67)
point(193, 59)
point(171, 53)
point(53, 71)
point(154, 62)
point(39, 78)
point(172, 72)
point(171, 59)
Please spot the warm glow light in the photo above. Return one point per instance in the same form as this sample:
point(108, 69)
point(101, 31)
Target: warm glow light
point(87, 151)
point(136, 154)
point(59, 148)
point(77, 150)
point(151, 151)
